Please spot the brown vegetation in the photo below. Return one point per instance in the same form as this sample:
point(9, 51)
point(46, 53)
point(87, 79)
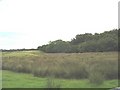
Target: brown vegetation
point(62, 65)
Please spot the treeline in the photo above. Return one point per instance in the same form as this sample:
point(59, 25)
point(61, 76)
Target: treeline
point(12, 50)
point(106, 41)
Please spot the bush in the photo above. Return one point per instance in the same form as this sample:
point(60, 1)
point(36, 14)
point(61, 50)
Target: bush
point(96, 78)
point(52, 84)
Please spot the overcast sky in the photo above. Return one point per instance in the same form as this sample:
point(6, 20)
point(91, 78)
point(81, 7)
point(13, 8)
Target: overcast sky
point(30, 23)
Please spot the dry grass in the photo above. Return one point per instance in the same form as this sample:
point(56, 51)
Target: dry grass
point(62, 65)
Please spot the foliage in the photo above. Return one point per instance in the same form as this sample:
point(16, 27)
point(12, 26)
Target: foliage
point(96, 78)
point(56, 46)
point(52, 84)
point(106, 41)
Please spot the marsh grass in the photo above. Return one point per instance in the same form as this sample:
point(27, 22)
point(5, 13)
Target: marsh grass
point(64, 65)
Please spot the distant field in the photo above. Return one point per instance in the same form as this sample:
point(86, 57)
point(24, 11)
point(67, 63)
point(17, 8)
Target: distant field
point(94, 69)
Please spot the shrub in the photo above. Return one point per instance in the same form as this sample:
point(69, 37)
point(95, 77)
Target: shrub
point(96, 78)
point(52, 84)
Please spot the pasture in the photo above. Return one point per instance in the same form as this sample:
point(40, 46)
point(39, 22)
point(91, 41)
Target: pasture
point(94, 69)
point(22, 80)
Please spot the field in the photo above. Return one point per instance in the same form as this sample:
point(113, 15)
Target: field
point(77, 70)
point(21, 80)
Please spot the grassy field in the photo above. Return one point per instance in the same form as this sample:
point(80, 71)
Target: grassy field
point(93, 69)
point(21, 80)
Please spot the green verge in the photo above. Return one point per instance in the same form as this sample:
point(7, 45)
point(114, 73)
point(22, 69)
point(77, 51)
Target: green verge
point(21, 80)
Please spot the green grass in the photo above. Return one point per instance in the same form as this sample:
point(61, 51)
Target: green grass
point(21, 80)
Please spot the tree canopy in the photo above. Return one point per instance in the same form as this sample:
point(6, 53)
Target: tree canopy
point(106, 41)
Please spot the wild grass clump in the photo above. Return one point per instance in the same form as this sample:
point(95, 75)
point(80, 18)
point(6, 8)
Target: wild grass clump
point(96, 78)
point(52, 84)
point(96, 75)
